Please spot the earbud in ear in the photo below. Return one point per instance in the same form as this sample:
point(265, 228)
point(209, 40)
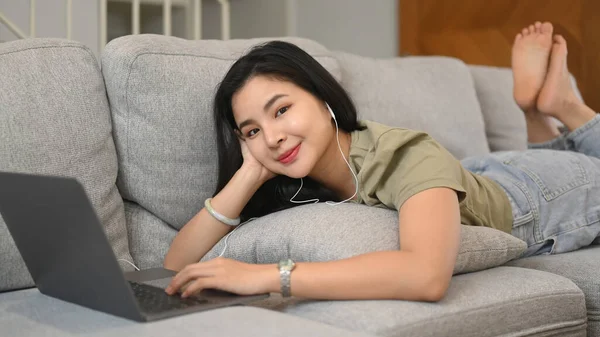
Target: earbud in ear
point(330, 111)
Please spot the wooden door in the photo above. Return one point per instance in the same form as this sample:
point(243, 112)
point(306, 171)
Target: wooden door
point(482, 32)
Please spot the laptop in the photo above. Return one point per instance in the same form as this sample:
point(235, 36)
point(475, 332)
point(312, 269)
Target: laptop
point(67, 253)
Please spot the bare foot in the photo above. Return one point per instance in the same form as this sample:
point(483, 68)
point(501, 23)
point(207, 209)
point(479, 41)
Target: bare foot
point(530, 54)
point(557, 91)
point(557, 97)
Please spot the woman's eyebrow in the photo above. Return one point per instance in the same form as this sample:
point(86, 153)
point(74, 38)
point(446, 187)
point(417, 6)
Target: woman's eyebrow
point(268, 105)
point(272, 101)
point(246, 122)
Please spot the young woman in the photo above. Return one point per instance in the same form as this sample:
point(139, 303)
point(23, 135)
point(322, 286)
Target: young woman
point(281, 117)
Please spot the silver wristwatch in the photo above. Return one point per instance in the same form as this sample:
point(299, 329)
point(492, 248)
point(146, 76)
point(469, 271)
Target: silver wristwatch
point(285, 270)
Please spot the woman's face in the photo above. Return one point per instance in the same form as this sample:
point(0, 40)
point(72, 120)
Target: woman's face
point(285, 127)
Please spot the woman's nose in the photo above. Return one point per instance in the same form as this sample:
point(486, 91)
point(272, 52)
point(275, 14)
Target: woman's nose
point(274, 137)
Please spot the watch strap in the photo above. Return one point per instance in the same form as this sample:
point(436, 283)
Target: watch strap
point(285, 272)
point(285, 283)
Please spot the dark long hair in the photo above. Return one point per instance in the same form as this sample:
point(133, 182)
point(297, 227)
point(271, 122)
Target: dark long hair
point(287, 62)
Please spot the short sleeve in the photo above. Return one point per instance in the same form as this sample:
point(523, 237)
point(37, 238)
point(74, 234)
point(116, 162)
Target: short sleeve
point(403, 163)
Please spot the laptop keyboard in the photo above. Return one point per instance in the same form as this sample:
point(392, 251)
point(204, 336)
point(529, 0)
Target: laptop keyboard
point(154, 300)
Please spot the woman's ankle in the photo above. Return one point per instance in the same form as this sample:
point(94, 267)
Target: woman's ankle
point(576, 115)
point(540, 128)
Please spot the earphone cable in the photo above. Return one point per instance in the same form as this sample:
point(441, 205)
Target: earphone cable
point(330, 203)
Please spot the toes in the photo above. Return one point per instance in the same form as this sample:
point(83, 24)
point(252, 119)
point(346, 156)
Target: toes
point(518, 37)
point(558, 61)
point(556, 39)
point(560, 44)
point(546, 28)
point(559, 49)
point(537, 28)
point(559, 39)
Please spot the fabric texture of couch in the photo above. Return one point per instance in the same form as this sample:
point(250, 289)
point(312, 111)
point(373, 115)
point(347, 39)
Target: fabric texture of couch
point(54, 119)
point(137, 132)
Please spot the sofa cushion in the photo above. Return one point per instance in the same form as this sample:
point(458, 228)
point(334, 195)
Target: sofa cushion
point(504, 121)
point(503, 301)
point(583, 268)
point(54, 120)
point(432, 94)
point(149, 236)
point(161, 95)
point(320, 232)
point(30, 313)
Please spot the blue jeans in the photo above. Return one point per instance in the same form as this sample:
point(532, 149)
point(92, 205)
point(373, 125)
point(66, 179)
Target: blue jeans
point(553, 189)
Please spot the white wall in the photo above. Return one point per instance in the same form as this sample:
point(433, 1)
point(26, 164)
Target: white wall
point(367, 28)
point(364, 27)
point(258, 18)
point(249, 18)
point(51, 20)
point(151, 21)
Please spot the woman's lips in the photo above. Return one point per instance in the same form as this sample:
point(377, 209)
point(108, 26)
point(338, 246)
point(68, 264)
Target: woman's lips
point(288, 157)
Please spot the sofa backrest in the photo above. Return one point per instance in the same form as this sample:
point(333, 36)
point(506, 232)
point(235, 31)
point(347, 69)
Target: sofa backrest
point(54, 120)
point(431, 94)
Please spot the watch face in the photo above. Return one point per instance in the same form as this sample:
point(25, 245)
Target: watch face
point(286, 265)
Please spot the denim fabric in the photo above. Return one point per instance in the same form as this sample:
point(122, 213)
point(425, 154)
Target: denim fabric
point(553, 188)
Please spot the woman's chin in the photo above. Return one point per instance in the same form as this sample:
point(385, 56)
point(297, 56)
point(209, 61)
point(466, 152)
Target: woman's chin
point(293, 176)
point(294, 172)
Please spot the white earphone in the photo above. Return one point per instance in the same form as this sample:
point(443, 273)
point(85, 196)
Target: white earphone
point(330, 203)
point(330, 112)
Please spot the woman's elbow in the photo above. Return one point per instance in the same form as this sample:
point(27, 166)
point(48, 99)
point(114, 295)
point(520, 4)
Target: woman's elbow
point(435, 288)
point(435, 293)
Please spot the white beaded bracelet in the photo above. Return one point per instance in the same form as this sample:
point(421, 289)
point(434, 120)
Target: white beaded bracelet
point(219, 216)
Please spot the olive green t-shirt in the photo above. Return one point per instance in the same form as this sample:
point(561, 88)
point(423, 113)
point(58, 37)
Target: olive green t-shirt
point(393, 164)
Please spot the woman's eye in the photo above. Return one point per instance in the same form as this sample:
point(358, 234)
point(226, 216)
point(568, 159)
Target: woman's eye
point(282, 110)
point(251, 132)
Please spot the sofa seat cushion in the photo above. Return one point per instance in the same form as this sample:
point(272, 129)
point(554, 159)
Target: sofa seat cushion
point(54, 120)
point(503, 301)
point(320, 232)
point(161, 92)
point(30, 313)
point(429, 93)
point(583, 268)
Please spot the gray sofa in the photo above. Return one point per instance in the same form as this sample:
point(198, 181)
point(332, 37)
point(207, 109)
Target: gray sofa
point(136, 130)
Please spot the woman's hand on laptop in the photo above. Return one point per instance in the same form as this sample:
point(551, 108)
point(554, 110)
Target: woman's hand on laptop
point(227, 275)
